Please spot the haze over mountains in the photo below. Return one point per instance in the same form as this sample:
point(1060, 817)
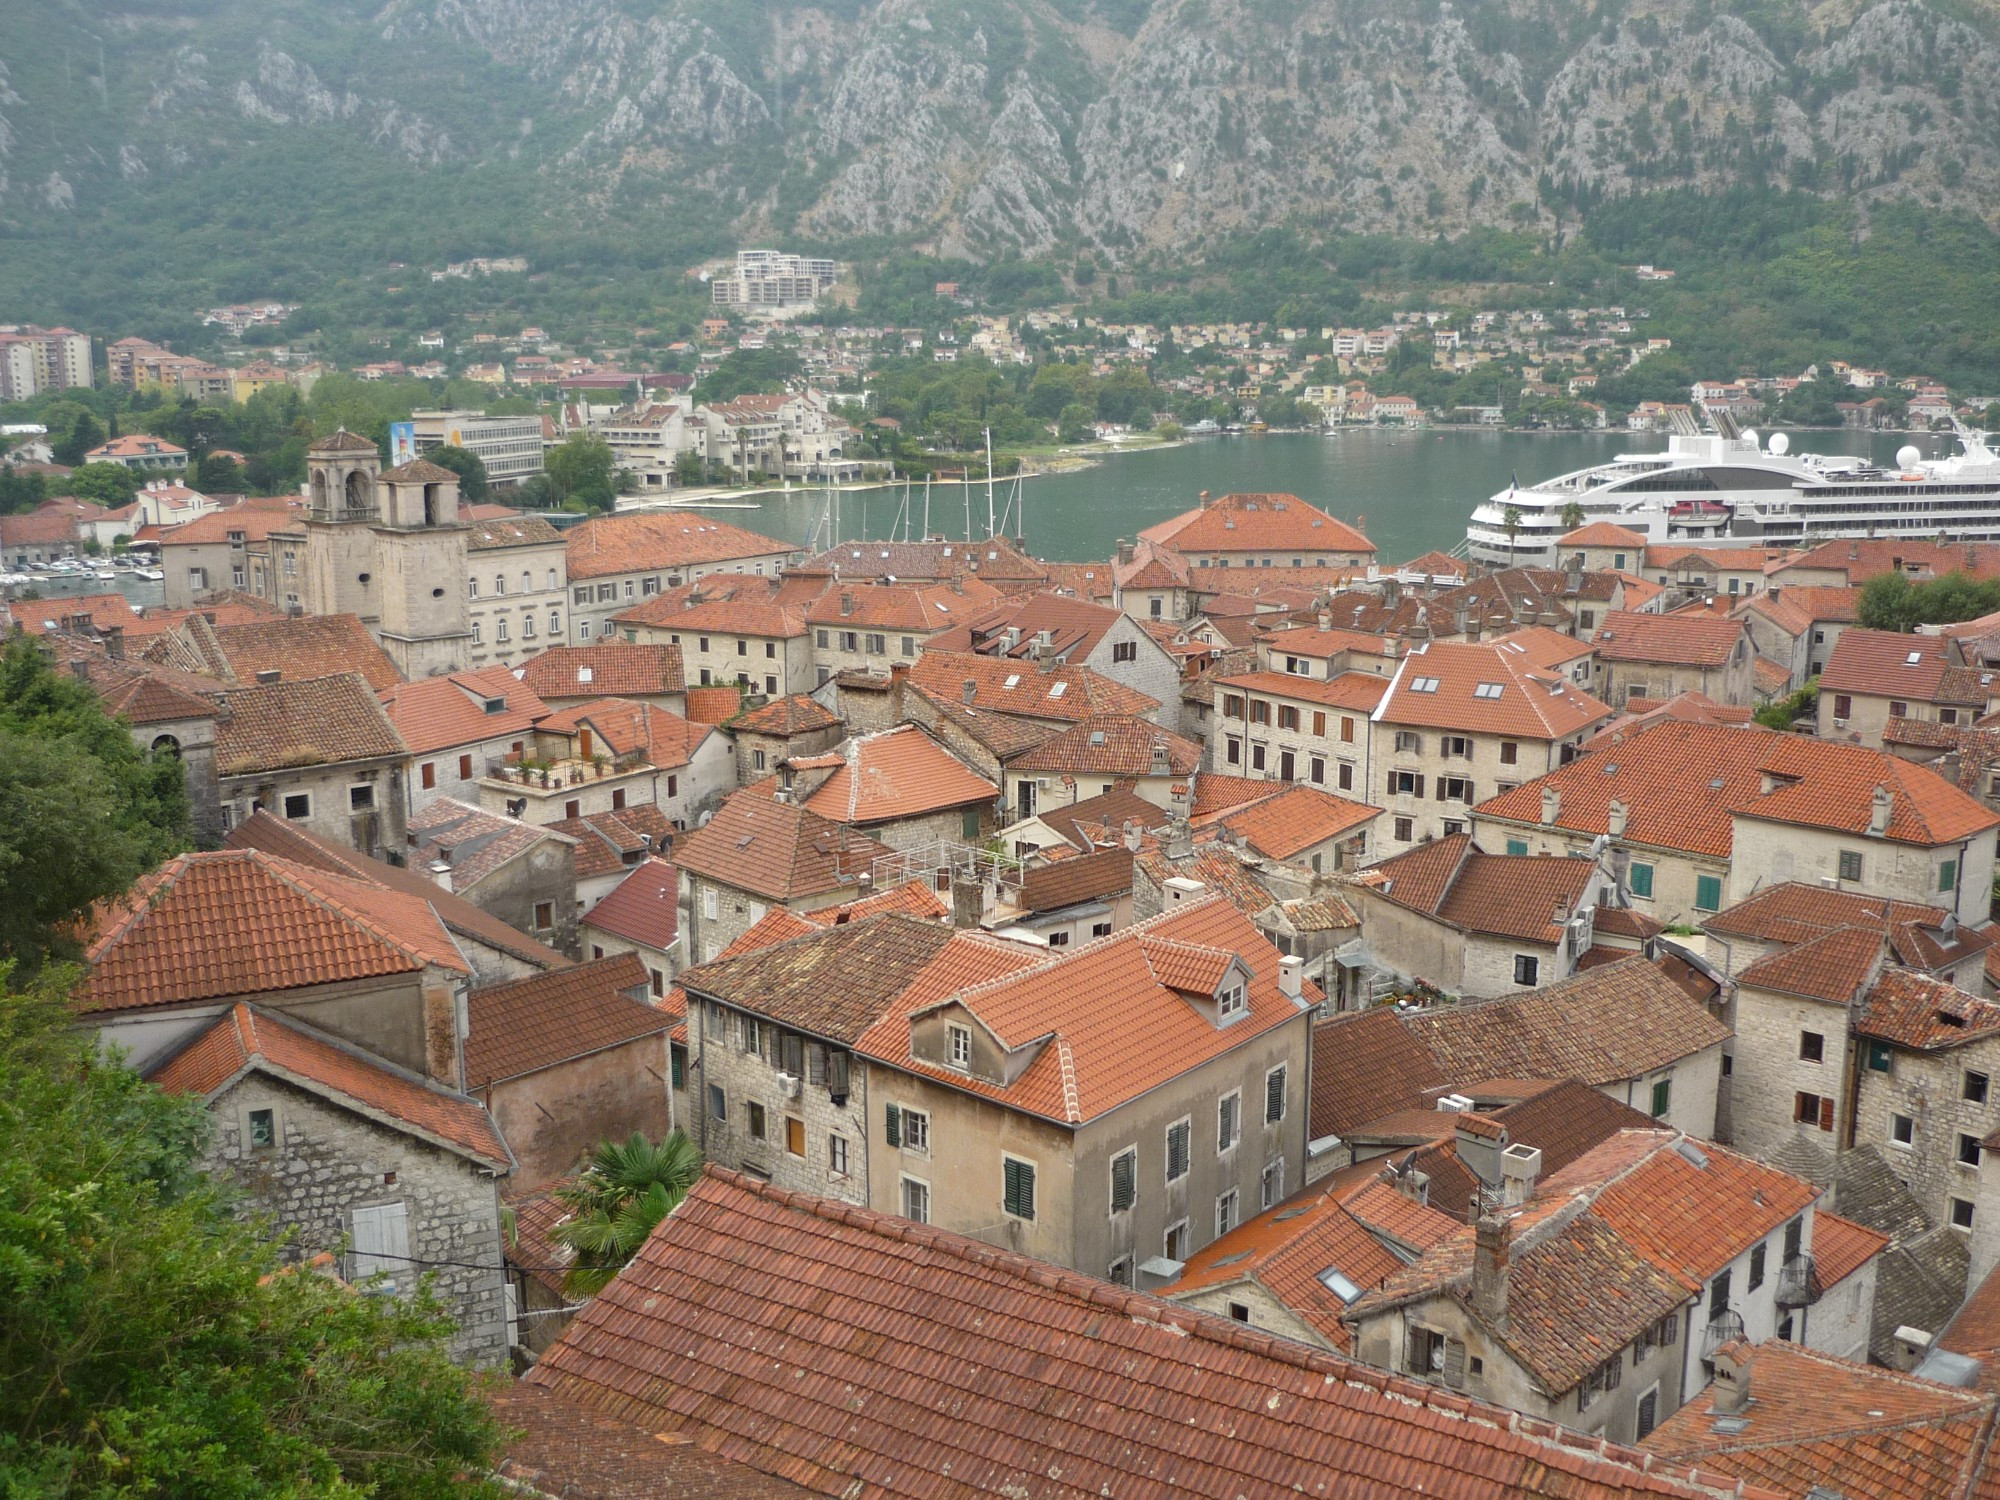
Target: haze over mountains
point(1142, 128)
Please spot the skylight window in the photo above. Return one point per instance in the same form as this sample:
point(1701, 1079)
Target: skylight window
point(1423, 684)
point(1489, 690)
point(1332, 1279)
point(1913, 659)
point(1058, 689)
point(1013, 680)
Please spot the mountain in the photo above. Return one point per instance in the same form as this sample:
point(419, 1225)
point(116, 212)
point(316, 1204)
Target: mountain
point(315, 132)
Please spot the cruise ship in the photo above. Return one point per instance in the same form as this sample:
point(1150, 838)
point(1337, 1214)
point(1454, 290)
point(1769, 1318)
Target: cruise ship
point(1727, 486)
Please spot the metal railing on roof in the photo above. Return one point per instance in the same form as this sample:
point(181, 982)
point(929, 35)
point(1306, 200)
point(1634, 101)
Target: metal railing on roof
point(963, 862)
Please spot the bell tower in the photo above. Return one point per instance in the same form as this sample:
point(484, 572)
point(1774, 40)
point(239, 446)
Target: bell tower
point(421, 550)
point(339, 565)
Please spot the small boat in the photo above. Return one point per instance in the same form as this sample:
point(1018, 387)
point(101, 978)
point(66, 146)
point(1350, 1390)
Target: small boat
point(152, 575)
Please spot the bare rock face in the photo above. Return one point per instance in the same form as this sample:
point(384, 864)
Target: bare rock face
point(1032, 126)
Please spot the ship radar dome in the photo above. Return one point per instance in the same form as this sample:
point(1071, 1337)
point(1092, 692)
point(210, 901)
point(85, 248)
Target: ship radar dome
point(1780, 444)
point(1750, 436)
point(1908, 456)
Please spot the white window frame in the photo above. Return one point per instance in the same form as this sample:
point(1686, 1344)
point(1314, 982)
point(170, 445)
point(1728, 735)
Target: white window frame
point(922, 1186)
point(1111, 1180)
point(903, 1131)
point(958, 1039)
point(284, 805)
point(1229, 1217)
point(1284, 1099)
point(1179, 1226)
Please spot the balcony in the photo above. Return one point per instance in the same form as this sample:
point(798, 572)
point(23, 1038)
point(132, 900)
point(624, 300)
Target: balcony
point(1722, 1328)
point(361, 513)
point(1798, 1286)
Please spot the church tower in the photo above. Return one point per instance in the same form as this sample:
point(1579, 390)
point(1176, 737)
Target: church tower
point(389, 548)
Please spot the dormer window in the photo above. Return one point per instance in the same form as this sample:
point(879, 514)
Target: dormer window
point(959, 1045)
point(1230, 1002)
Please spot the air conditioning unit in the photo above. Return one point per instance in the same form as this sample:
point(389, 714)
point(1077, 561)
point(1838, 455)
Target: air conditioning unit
point(1840, 723)
point(788, 1085)
point(1455, 1104)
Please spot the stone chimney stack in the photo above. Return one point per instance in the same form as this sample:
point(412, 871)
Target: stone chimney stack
point(1552, 803)
point(1619, 812)
point(1490, 1254)
point(1731, 1391)
point(969, 690)
point(1291, 978)
point(1880, 807)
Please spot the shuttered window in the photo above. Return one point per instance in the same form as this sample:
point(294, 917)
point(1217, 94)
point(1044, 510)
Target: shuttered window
point(1228, 1122)
point(1018, 1187)
point(1124, 1179)
point(1274, 1096)
point(381, 1240)
point(892, 1125)
point(1177, 1150)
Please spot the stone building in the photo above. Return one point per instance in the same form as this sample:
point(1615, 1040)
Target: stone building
point(1874, 677)
point(899, 787)
point(641, 915)
point(1103, 752)
point(865, 627)
point(793, 725)
point(1661, 656)
point(458, 727)
point(351, 1153)
point(749, 630)
point(517, 589)
point(520, 874)
point(319, 752)
point(563, 676)
point(618, 561)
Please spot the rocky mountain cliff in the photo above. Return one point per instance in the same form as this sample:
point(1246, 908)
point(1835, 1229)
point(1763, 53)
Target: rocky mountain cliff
point(989, 126)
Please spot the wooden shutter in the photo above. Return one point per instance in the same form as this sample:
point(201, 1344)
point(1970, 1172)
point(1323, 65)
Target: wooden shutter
point(1420, 783)
point(1019, 1187)
point(892, 1125)
point(836, 1072)
point(381, 1240)
point(1454, 1364)
point(1124, 1181)
point(1826, 1113)
point(815, 1063)
point(1274, 1096)
point(1177, 1151)
point(794, 1049)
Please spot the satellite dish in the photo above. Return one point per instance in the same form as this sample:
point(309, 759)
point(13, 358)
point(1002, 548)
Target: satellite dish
point(1909, 456)
point(1780, 444)
point(1750, 436)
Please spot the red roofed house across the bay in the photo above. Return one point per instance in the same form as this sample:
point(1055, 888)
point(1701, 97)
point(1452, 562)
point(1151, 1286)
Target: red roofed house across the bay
point(1261, 531)
point(1698, 816)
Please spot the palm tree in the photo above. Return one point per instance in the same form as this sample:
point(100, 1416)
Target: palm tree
point(1572, 515)
point(617, 1201)
point(1511, 519)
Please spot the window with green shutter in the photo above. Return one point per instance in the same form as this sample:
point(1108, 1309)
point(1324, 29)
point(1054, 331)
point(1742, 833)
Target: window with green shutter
point(1517, 846)
point(1878, 1057)
point(1274, 1096)
point(1018, 1187)
point(1663, 1096)
point(1177, 1150)
point(1708, 893)
point(1640, 878)
point(1947, 874)
point(892, 1125)
point(678, 1056)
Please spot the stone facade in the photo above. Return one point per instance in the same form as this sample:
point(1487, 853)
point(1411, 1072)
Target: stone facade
point(330, 808)
point(554, 1118)
point(1426, 780)
point(1950, 1101)
point(517, 600)
point(1772, 1071)
point(333, 1160)
point(1957, 875)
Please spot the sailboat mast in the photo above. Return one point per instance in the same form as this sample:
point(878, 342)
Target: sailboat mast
point(989, 482)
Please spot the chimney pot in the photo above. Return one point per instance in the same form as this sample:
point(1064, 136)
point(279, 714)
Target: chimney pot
point(1552, 802)
point(1291, 977)
point(1731, 1391)
point(1492, 1237)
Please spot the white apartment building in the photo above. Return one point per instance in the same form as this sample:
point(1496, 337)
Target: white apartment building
point(510, 447)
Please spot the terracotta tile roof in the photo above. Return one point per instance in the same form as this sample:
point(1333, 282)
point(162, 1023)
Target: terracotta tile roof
point(1286, 1250)
point(105, 611)
point(895, 774)
point(1975, 1328)
point(1112, 809)
point(647, 542)
point(280, 725)
point(566, 1451)
point(1682, 782)
point(247, 1036)
point(136, 445)
point(724, 604)
point(1827, 1426)
point(1835, 966)
point(1089, 877)
point(306, 646)
point(1563, 1122)
point(1060, 692)
point(1602, 534)
point(440, 713)
point(995, 559)
point(1074, 626)
point(1151, 566)
point(1841, 1247)
point(1106, 1021)
point(37, 527)
point(643, 908)
point(1114, 745)
point(1525, 896)
point(1610, 1023)
point(511, 530)
point(547, 1019)
point(1878, 663)
point(998, 1370)
point(140, 694)
point(1216, 793)
point(1293, 820)
point(776, 850)
point(241, 922)
point(1093, 581)
point(784, 717)
point(1626, 921)
point(1357, 692)
point(340, 440)
point(913, 898)
point(536, 1214)
point(776, 926)
point(1365, 1064)
point(925, 610)
point(1397, 1217)
point(610, 841)
point(256, 519)
point(626, 726)
point(273, 835)
point(1795, 911)
point(1258, 523)
point(1696, 639)
point(1217, 866)
point(1689, 1215)
point(1490, 688)
point(713, 705)
point(613, 669)
point(834, 983)
point(470, 841)
point(1922, 1013)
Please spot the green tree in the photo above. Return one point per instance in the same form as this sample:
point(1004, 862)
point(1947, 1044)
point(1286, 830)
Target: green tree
point(1074, 425)
point(218, 474)
point(687, 467)
point(83, 811)
point(18, 491)
point(618, 1200)
point(1890, 601)
point(582, 469)
point(1572, 515)
point(1511, 519)
point(84, 434)
point(102, 484)
point(467, 465)
point(146, 1345)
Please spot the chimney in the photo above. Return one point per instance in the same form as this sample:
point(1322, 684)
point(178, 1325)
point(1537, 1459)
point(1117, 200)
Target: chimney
point(1179, 890)
point(1519, 1167)
point(1125, 550)
point(1392, 590)
point(1479, 1141)
point(1619, 812)
point(114, 642)
point(1490, 1246)
point(1180, 844)
point(1204, 499)
point(969, 690)
point(268, 676)
point(441, 872)
point(1291, 978)
point(1132, 836)
point(1879, 809)
point(1552, 804)
point(1162, 766)
point(1731, 1391)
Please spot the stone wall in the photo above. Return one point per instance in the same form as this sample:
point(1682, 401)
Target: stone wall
point(332, 1161)
point(554, 1118)
point(1929, 1090)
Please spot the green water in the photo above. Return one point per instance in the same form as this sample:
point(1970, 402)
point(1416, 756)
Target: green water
point(1410, 491)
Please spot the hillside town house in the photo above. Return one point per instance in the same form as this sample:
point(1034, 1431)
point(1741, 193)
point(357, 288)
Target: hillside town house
point(320, 752)
point(748, 630)
point(1874, 676)
point(609, 755)
point(618, 561)
point(1661, 656)
point(866, 627)
point(517, 588)
point(1098, 754)
point(518, 873)
point(898, 786)
point(457, 728)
